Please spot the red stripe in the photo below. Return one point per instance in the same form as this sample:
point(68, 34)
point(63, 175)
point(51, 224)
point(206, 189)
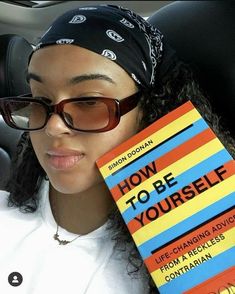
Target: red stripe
point(224, 281)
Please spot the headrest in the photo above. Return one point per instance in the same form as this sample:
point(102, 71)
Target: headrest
point(14, 53)
point(203, 35)
point(8, 141)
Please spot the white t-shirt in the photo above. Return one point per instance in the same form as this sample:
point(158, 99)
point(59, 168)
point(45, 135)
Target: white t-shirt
point(88, 265)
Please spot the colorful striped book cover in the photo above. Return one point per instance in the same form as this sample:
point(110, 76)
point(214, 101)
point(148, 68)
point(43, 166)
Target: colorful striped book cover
point(174, 184)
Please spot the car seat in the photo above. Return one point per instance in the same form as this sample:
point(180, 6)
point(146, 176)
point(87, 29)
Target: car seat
point(203, 35)
point(14, 53)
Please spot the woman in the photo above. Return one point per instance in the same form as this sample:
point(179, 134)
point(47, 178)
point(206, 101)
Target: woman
point(74, 239)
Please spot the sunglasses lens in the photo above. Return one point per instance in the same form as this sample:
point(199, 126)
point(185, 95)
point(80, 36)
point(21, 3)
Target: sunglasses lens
point(87, 115)
point(25, 114)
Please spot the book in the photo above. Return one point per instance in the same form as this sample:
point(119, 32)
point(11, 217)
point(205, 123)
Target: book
point(174, 184)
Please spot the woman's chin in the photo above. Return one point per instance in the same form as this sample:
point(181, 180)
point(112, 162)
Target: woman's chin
point(73, 185)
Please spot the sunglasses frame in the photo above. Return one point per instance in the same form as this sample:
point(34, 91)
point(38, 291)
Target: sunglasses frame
point(117, 108)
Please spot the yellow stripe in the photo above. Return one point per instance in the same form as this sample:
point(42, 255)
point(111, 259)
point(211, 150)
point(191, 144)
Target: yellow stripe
point(157, 138)
point(184, 211)
point(216, 249)
point(176, 169)
point(229, 286)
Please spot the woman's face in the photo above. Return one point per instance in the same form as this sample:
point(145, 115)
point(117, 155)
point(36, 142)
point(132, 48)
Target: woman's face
point(69, 156)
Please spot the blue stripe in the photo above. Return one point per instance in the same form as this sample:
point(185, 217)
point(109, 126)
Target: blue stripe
point(183, 179)
point(186, 225)
point(201, 273)
point(199, 126)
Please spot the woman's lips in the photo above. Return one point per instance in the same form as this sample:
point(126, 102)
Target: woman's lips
point(63, 159)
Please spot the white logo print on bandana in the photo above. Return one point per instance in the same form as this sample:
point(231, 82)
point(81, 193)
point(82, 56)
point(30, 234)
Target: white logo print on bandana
point(78, 19)
point(136, 79)
point(114, 36)
point(109, 54)
point(64, 41)
point(144, 65)
point(127, 23)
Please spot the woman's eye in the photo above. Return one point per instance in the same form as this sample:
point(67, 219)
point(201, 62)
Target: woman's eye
point(91, 102)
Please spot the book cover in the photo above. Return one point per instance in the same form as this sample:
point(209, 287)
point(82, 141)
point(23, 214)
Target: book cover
point(174, 184)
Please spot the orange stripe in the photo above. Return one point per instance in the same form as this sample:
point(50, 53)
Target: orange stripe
point(154, 261)
point(135, 225)
point(154, 127)
point(220, 282)
point(171, 157)
point(186, 148)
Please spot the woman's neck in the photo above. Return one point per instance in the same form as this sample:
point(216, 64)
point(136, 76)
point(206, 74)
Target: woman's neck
point(84, 212)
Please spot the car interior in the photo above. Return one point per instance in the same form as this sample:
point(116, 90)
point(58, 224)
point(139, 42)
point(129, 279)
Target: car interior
point(201, 32)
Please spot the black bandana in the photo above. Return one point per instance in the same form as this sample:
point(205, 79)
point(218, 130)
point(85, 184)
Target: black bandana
point(115, 33)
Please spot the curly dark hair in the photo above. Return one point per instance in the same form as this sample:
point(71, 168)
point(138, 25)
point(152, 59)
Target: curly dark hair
point(176, 87)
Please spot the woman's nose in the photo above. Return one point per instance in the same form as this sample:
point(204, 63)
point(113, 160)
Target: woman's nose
point(56, 127)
